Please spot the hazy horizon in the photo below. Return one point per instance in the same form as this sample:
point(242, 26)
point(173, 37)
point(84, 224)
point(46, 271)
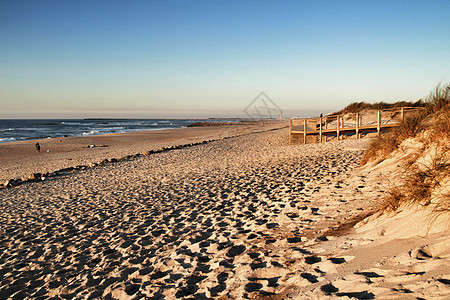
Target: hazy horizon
point(221, 115)
point(192, 59)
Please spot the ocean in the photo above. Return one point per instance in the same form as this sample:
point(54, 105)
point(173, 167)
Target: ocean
point(30, 129)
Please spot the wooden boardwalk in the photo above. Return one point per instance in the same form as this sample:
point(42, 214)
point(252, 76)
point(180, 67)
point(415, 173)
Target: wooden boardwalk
point(349, 124)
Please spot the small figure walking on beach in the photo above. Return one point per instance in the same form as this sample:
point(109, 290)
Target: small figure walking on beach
point(38, 147)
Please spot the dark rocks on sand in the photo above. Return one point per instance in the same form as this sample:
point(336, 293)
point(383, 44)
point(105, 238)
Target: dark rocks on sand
point(35, 177)
point(13, 183)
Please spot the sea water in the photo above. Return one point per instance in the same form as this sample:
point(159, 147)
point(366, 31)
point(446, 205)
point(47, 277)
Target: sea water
point(30, 129)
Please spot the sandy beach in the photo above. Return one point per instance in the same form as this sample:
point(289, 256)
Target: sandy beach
point(246, 217)
point(19, 160)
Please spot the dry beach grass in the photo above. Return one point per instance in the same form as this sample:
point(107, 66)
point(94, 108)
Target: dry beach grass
point(426, 137)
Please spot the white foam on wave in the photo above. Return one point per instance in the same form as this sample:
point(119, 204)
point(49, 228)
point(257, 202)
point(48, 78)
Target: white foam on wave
point(7, 140)
point(112, 128)
point(92, 132)
point(75, 123)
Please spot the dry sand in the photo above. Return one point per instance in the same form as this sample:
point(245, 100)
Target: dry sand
point(245, 217)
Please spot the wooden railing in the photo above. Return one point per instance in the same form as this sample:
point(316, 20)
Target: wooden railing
point(348, 124)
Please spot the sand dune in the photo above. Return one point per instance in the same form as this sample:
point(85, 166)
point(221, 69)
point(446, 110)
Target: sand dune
point(246, 217)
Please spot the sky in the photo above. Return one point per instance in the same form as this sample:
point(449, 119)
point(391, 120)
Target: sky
point(212, 58)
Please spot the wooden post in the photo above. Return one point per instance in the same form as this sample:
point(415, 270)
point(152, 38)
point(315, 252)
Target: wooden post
point(314, 129)
point(326, 128)
point(403, 114)
point(304, 131)
point(379, 122)
point(290, 132)
point(338, 125)
point(357, 126)
point(320, 129)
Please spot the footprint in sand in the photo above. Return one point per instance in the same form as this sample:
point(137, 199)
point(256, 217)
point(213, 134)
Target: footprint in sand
point(236, 250)
point(337, 260)
point(310, 260)
point(310, 277)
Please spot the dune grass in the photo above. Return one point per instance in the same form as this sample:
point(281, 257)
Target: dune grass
point(434, 119)
point(424, 184)
point(357, 107)
point(427, 173)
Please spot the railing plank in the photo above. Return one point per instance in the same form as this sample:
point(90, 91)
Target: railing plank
point(320, 127)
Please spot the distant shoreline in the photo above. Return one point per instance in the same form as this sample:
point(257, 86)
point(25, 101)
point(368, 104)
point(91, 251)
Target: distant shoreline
point(15, 130)
point(19, 159)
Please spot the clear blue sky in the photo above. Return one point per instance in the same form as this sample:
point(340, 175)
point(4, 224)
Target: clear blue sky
point(212, 58)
